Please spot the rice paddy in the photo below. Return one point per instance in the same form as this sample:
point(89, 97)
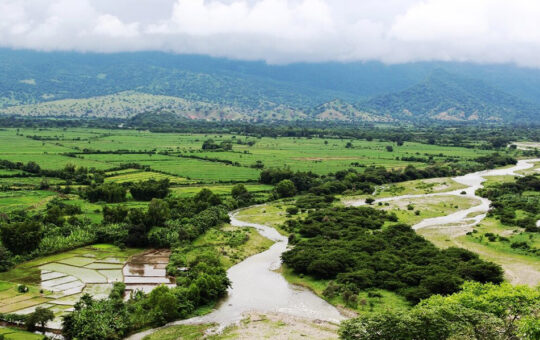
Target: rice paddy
point(57, 282)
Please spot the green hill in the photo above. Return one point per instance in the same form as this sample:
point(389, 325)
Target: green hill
point(123, 85)
point(444, 96)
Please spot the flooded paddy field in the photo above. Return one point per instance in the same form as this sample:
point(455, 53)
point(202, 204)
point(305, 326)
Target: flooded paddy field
point(147, 270)
point(57, 282)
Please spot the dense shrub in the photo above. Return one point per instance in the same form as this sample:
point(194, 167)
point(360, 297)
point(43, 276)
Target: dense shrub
point(145, 191)
point(108, 192)
point(350, 246)
point(477, 312)
point(285, 188)
point(21, 237)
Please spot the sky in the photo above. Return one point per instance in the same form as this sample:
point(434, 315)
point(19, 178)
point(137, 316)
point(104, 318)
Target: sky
point(283, 31)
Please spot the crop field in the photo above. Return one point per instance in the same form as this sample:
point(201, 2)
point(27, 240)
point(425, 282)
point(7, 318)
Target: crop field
point(317, 156)
point(168, 152)
point(204, 171)
point(27, 182)
point(58, 281)
point(144, 176)
point(17, 334)
point(24, 199)
point(7, 172)
point(258, 190)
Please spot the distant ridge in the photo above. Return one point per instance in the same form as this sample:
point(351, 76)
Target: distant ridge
point(194, 87)
point(444, 96)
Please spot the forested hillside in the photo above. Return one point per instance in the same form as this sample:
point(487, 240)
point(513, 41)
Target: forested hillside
point(445, 96)
point(200, 87)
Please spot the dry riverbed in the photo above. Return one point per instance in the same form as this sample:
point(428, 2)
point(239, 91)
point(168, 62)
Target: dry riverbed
point(255, 325)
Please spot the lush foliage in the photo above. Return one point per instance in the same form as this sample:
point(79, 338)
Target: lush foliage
point(97, 319)
point(145, 191)
point(478, 311)
point(351, 246)
point(39, 317)
point(21, 237)
point(107, 192)
point(520, 195)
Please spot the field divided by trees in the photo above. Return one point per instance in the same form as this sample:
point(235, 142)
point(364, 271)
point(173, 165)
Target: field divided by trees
point(65, 189)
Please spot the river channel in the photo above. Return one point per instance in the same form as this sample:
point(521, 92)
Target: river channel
point(257, 286)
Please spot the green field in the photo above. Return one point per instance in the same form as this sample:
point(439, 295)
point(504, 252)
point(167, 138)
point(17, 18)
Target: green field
point(136, 176)
point(162, 151)
point(24, 199)
point(17, 334)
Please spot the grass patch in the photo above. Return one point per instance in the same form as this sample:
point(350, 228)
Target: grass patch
point(234, 244)
point(273, 214)
point(184, 332)
point(414, 210)
point(386, 302)
point(503, 237)
point(18, 334)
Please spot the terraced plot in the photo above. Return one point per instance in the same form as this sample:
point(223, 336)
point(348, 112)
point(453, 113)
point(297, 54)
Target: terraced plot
point(17, 334)
point(147, 270)
point(60, 280)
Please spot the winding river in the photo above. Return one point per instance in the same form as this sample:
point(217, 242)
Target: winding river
point(256, 286)
point(468, 217)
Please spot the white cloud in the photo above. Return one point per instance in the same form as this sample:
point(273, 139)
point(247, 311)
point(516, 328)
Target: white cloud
point(110, 25)
point(283, 30)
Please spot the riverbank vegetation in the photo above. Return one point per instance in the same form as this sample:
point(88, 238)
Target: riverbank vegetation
point(355, 248)
point(516, 203)
point(476, 312)
point(67, 193)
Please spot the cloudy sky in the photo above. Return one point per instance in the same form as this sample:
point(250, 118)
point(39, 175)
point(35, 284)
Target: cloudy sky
point(282, 31)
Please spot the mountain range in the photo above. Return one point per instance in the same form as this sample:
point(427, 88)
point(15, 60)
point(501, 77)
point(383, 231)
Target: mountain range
point(201, 87)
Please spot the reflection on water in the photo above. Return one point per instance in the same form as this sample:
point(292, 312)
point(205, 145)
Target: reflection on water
point(256, 286)
point(147, 270)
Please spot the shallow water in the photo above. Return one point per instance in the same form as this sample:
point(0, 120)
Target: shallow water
point(474, 182)
point(146, 271)
point(256, 286)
